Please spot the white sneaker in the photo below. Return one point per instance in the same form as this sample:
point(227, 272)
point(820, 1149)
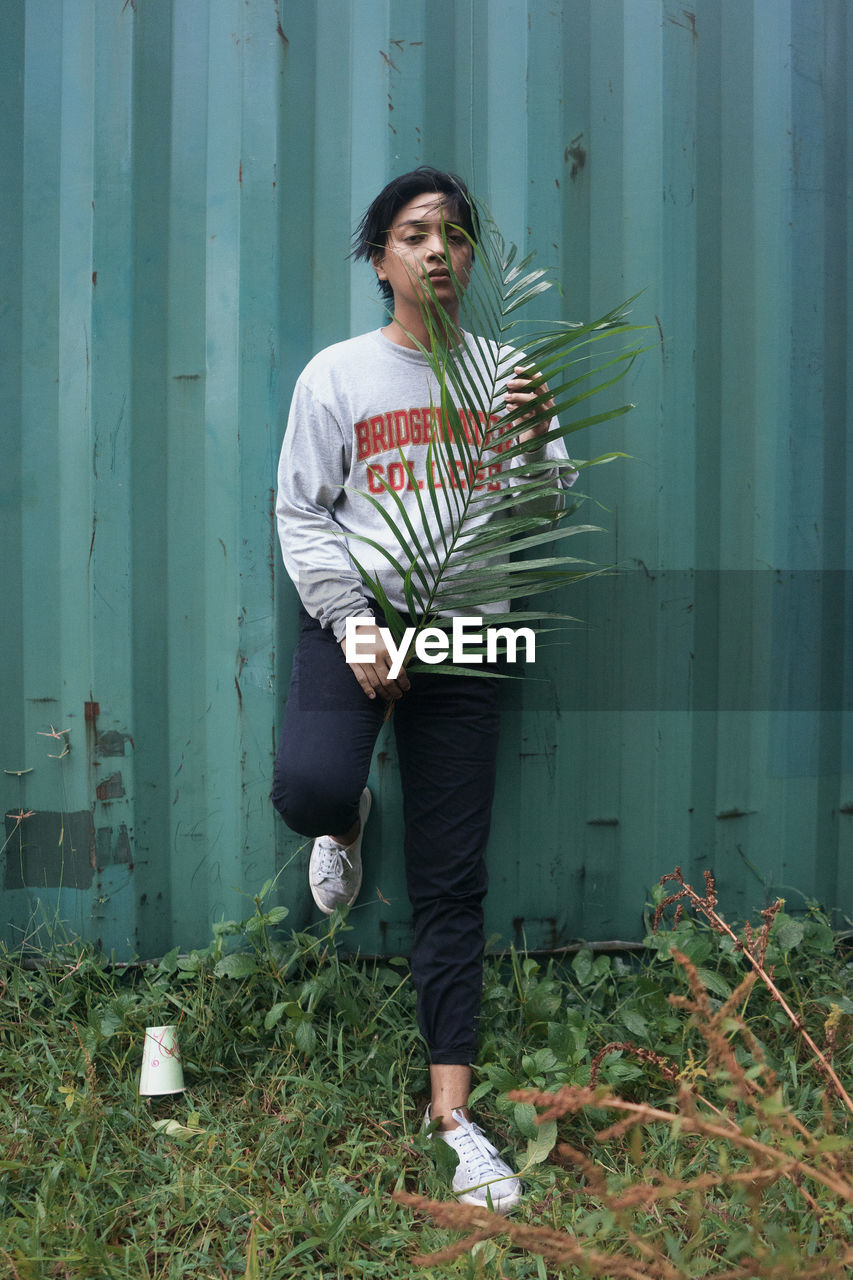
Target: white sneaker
point(334, 872)
point(481, 1176)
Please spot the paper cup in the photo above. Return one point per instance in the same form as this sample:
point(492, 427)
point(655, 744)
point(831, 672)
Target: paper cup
point(161, 1062)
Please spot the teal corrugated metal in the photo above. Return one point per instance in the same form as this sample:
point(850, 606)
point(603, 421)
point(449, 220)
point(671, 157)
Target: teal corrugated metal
point(180, 182)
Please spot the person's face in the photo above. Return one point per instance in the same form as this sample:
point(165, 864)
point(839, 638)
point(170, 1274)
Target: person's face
point(423, 242)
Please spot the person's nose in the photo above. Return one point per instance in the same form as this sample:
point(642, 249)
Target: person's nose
point(435, 246)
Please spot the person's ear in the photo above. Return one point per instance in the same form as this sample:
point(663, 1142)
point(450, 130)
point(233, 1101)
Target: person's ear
point(378, 261)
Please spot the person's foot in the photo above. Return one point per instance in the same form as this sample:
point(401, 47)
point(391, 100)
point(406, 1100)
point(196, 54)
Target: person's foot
point(481, 1176)
point(334, 872)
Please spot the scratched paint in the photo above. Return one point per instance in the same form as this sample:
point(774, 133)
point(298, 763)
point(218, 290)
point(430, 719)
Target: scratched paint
point(50, 850)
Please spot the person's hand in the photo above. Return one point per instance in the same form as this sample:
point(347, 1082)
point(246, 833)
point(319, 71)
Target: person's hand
point(374, 677)
point(523, 389)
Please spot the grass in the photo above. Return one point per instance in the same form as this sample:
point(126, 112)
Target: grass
point(305, 1088)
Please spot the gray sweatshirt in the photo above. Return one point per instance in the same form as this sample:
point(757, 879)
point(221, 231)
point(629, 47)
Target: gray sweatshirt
point(360, 424)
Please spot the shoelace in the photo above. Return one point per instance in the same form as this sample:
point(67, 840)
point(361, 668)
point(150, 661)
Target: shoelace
point(475, 1148)
point(330, 863)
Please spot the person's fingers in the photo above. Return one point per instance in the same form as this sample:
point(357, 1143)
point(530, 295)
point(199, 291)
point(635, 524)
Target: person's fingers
point(375, 677)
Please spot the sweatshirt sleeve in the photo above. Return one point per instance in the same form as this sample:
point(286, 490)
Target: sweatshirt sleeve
point(554, 453)
point(312, 472)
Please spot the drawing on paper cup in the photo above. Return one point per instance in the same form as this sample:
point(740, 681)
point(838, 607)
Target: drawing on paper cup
point(161, 1062)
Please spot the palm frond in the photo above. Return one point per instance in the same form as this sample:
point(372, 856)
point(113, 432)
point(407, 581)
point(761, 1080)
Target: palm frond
point(452, 541)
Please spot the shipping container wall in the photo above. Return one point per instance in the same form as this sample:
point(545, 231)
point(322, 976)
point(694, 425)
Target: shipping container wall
point(181, 180)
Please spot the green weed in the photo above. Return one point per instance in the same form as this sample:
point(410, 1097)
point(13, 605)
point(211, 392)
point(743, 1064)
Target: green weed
point(721, 1146)
point(305, 1086)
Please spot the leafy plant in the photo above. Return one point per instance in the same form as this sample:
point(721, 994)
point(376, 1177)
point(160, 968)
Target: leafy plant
point(728, 1176)
point(280, 1157)
point(452, 537)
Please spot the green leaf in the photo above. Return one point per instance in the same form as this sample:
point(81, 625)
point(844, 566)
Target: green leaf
point(582, 966)
point(173, 1129)
point(484, 1087)
point(524, 1114)
point(845, 1005)
point(111, 1022)
point(618, 1071)
point(446, 1159)
point(714, 982)
point(819, 936)
point(787, 933)
point(502, 1079)
point(545, 1059)
point(305, 1038)
point(562, 1040)
point(253, 1266)
point(540, 1147)
point(169, 963)
point(237, 965)
point(274, 1015)
point(635, 1023)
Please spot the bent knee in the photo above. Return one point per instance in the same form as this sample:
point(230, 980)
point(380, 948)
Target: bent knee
point(314, 807)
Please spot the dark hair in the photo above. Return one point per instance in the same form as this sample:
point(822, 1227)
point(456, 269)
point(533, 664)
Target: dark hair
point(371, 233)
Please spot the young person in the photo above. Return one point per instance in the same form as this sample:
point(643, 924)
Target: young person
point(353, 407)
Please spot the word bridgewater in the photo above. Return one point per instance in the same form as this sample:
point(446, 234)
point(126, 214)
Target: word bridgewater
point(469, 642)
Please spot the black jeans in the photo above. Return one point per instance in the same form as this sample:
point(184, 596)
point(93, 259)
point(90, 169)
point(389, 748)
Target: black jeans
point(446, 728)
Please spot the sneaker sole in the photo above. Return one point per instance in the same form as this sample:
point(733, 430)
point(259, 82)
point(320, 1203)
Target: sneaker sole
point(504, 1207)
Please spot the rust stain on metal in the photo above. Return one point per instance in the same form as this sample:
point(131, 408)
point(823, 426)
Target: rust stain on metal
point(273, 542)
point(91, 711)
point(733, 813)
point(186, 377)
point(577, 154)
point(111, 788)
point(278, 27)
point(689, 25)
point(113, 849)
point(660, 331)
point(602, 822)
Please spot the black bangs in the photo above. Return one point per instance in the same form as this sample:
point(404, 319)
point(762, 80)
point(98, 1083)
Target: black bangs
point(372, 232)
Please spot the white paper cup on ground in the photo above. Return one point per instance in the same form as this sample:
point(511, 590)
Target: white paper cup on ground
point(161, 1062)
